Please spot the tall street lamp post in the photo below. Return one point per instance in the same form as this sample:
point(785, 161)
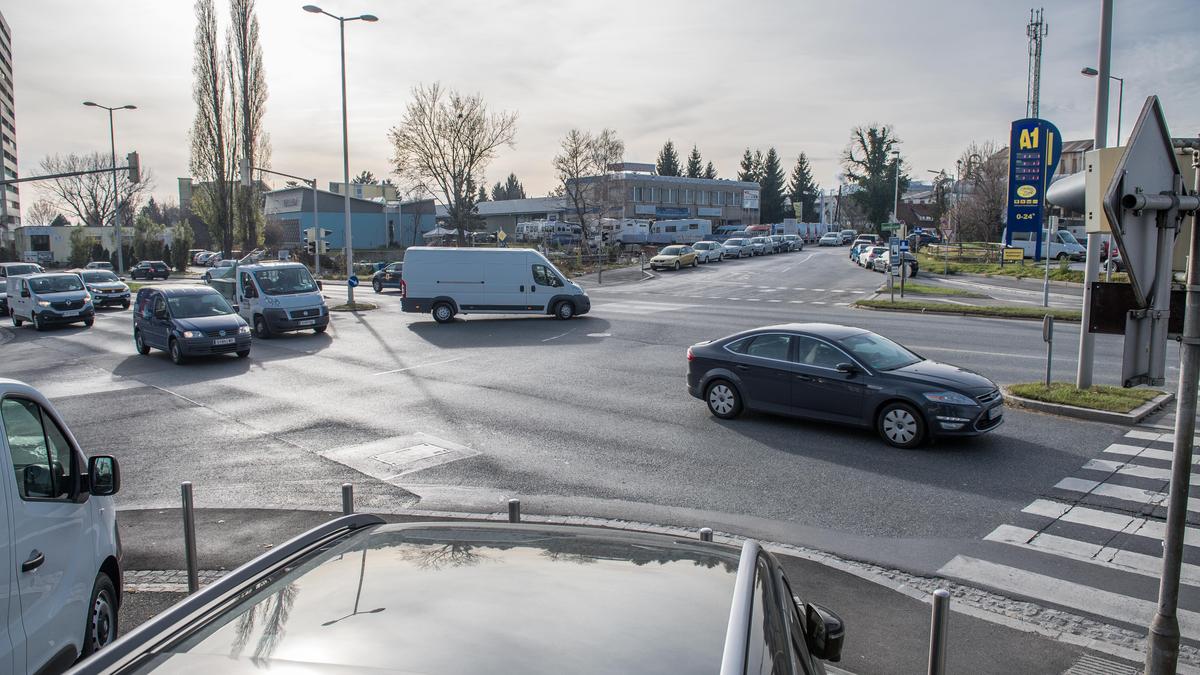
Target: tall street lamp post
point(896, 200)
point(112, 139)
point(371, 18)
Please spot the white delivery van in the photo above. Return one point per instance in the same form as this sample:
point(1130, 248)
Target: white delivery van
point(280, 297)
point(61, 555)
point(449, 281)
point(1064, 246)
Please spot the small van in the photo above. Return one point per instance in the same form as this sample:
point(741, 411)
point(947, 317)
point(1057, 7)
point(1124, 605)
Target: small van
point(1064, 246)
point(280, 297)
point(58, 539)
point(12, 269)
point(46, 299)
point(450, 281)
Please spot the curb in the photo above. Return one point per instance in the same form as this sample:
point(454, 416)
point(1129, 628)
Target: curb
point(946, 313)
point(1130, 418)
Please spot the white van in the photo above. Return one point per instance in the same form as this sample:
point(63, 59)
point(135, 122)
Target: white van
point(61, 570)
point(449, 281)
point(1064, 246)
point(279, 297)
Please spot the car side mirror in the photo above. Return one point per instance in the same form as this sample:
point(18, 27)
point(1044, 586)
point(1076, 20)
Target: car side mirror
point(121, 278)
point(160, 314)
point(237, 308)
point(847, 368)
point(824, 632)
point(320, 286)
point(104, 475)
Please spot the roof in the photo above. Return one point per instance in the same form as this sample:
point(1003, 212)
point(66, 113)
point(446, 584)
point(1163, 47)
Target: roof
point(178, 290)
point(480, 597)
point(832, 331)
point(520, 206)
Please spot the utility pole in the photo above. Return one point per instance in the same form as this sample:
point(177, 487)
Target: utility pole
point(1036, 30)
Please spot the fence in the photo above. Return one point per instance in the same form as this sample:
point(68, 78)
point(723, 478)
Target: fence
point(967, 252)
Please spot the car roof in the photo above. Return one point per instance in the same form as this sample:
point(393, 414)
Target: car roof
point(525, 598)
point(832, 331)
point(174, 291)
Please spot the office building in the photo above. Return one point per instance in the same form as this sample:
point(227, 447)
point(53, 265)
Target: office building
point(10, 205)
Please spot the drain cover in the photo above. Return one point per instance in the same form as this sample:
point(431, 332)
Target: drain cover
point(1094, 665)
point(406, 457)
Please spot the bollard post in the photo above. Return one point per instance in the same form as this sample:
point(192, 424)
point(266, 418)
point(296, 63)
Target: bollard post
point(347, 498)
point(706, 534)
point(189, 537)
point(937, 632)
point(514, 510)
point(1048, 337)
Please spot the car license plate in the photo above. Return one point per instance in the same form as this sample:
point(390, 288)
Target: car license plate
point(70, 313)
point(307, 322)
point(224, 341)
point(995, 412)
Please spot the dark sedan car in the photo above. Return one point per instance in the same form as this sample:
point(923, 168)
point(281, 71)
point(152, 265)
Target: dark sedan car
point(358, 596)
point(150, 269)
point(388, 277)
point(842, 374)
point(187, 321)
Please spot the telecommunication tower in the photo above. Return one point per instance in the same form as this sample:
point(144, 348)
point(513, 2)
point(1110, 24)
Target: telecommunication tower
point(1036, 30)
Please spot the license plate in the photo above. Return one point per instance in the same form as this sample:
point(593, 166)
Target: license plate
point(70, 313)
point(995, 412)
point(307, 322)
point(224, 341)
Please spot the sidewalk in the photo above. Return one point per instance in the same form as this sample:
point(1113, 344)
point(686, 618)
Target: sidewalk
point(887, 630)
point(623, 275)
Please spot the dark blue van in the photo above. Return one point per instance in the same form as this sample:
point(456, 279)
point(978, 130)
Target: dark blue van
point(187, 321)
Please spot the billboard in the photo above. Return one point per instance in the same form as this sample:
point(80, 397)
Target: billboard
point(750, 199)
point(1034, 149)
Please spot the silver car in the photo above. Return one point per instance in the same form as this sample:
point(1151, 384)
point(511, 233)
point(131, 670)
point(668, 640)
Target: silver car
point(708, 251)
point(758, 245)
point(735, 248)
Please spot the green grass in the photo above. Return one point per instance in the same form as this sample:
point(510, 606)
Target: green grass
point(134, 286)
point(1029, 270)
point(927, 289)
point(1000, 311)
point(355, 307)
point(1098, 397)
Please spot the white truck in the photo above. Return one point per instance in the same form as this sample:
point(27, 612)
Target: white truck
point(681, 231)
point(450, 281)
point(1063, 246)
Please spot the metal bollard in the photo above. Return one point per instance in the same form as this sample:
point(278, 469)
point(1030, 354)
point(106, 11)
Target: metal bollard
point(514, 510)
point(189, 537)
point(1048, 337)
point(706, 534)
point(937, 632)
point(347, 498)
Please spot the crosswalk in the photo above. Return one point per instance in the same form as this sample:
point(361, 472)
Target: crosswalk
point(1094, 543)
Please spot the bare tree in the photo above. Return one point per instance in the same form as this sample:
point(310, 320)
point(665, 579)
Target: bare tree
point(582, 169)
point(444, 143)
point(250, 96)
point(41, 212)
point(214, 142)
point(90, 196)
point(978, 215)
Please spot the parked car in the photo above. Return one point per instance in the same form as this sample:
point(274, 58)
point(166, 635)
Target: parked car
point(450, 281)
point(776, 244)
point(188, 321)
point(758, 245)
point(62, 576)
point(830, 239)
point(842, 374)
point(795, 242)
point(280, 297)
point(99, 265)
point(356, 595)
point(848, 236)
point(855, 249)
point(106, 288)
point(388, 276)
point(3, 296)
point(674, 257)
point(708, 251)
point(881, 263)
point(1064, 246)
point(47, 299)
point(868, 239)
point(867, 257)
point(149, 270)
point(220, 269)
point(12, 269)
point(205, 257)
point(736, 248)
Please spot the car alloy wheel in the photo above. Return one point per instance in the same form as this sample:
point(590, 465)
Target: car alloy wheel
point(901, 426)
point(722, 400)
point(564, 310)
point(443, 313)
point(176, 352)
point(378, 286)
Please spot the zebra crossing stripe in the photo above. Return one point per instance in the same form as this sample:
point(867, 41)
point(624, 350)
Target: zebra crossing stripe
point(1137, 470)
point(1148, 453)
point(1107, 520)
point(1122, 492)
point(1047, 589)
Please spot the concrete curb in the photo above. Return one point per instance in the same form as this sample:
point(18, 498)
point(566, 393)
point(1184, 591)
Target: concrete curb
point(946, 313)
point(1130, 418)
point(1019, 280)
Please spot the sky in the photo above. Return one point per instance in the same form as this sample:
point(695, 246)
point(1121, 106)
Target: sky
point(724, 75)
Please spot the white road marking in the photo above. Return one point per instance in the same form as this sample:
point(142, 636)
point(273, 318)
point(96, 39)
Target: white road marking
point(1144, 435)
point(1129, 469)
point(753, 299)
point(1148, 453)
point(421, 365)
point(1121, 492)
point(842, 304)
point(774, 301)
point(1107, 520)
point(599, 335)
point(1087, 599)
point(819, 290)
point(856, 291)
point(552, 338)
point(733, 299)
point(639, 307)
point(817, 302)
point(796, 302)
point(799, 289)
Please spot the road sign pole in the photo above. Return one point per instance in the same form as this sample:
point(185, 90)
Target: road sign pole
point(317, 225)
point(1050, 228)
point(1162, 643)
point(1048, 336)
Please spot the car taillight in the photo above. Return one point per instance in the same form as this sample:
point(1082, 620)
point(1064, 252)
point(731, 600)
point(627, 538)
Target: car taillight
point(690, 355)
point(403, 289)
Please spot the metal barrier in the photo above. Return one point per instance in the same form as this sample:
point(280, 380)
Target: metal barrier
point(514, 510)
point(347, 498)
point(939, 625)
point(189, 537)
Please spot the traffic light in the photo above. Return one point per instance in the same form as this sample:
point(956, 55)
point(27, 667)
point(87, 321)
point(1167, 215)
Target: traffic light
point(311, 247)
point(310, 234)
point(135, 172)
point(325, 234)
point(323, 247)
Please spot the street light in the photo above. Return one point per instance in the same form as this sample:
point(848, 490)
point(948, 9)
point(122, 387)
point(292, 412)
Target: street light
point(112, 139)
point(370, 18)
point(1092, 72)
point(896, 201)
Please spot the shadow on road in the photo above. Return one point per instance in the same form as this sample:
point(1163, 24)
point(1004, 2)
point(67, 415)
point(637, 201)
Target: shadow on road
point(479, 332)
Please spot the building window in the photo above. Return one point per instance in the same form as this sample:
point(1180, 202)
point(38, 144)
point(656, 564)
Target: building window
point(39, 242)
point(737, 199)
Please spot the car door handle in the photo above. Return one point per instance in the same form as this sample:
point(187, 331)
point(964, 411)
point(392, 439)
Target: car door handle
point(35, 561)
point(804, 378)
point(522, 289)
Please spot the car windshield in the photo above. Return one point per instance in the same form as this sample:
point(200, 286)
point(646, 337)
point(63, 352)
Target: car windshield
point(734, 242)
point(879, 352)
point(198, 305)
point(702, 246)
point(672, 250)
point(285, 281)
point(14, 270)
point(1067, 238)
point(59, 283)
point(99, 277)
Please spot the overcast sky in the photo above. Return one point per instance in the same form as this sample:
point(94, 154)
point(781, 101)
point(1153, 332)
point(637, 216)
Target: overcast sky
point(793, 74)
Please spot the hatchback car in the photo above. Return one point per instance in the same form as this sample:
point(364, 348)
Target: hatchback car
point(830, 239)
point(881, 262)
point(357, 595)
point(794, 242)
point(867, 257)
point(47, 299)
point(150, 269)
point(99, 265)
point(674, 257)
point(708, 251)
point(389, 276)
point(187, 321)
point(735, 248)
point(842, 374)
point(106, 288)
point(758, 245)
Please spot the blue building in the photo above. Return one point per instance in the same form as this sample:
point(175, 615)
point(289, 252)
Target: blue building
point(293, 209)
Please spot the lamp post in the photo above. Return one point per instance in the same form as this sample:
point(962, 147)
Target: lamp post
point(1092, 72)
point(112, 139)
point(896, 200)
point(370, 18)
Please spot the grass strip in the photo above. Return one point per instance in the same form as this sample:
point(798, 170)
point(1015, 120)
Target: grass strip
point(929, 289)
point(1029, 270)
point(999, 311)
point(353, 307)
point(1097, 397)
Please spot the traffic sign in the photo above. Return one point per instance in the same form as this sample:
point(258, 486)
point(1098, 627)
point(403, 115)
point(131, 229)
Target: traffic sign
point(1013, 254)
point(894, 246)
point(501, 235)
point(352, 282)
point(903, 244)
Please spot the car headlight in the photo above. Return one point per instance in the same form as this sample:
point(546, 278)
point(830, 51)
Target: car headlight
point(271, 302)
point(243, 330)
point(43, 303)
point(191, 334)
point(949, 397)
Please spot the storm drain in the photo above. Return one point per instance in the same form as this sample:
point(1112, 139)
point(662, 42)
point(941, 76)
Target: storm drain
point(1094, 665)
point(417, 457)
point(391, 458)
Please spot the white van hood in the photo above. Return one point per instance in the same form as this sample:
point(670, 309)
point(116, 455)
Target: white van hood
point(293, 300)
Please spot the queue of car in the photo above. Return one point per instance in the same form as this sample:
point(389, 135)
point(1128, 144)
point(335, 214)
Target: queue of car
point(678, 256)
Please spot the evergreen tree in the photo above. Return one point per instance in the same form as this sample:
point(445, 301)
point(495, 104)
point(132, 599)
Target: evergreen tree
point(759, 169)
point(695, 166)
point(668, 160)
point(364, 178)
point(802, 189)
point(483, 195)
point(513, 188)
point(869, 164)
point(771, 196)
point(710, 171)
point(746, 171)
point(498, 192)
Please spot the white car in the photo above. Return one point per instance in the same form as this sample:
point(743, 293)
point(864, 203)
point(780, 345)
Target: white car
point(708, 251)
point(735, 248)
point(830, 239)
point(58, 537)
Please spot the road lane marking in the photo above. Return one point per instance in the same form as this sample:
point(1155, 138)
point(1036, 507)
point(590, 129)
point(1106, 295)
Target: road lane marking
point(421, 365)
point(753, 299)
point(819, 290)
point(817, 302)
point(1107, 520)
point(558, 336)
point(796, 302)
point(842, 304)
point(1129, 469)
point(1148, 453)
point(774, 301)
point(1122, 492)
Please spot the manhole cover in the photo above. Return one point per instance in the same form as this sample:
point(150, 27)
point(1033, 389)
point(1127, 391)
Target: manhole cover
point(405, 457)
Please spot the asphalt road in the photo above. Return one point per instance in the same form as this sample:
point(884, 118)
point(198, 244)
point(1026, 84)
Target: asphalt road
point(589, 416)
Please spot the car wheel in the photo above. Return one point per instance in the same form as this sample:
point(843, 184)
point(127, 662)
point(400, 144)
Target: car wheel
point(564, 310)
point(1063, 256)
point(320, 329)
point(378, 286)
point(723, 400)
point(676, 265)
point(443, 312)
point(693, 262)
point(101, 628)
point(139, 343)
point(12, 313)
point(243, 354)
point(87, 323)
point(37, 323)
point(900, 425)
point(125, 305)
point(261, 329)
point(176, 352)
